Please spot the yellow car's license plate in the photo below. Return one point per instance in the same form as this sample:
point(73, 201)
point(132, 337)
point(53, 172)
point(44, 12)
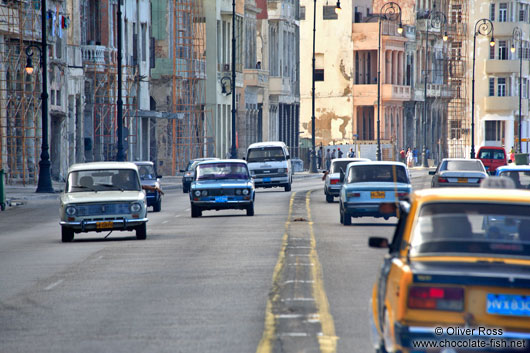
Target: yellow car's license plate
point(104, 225)
point(377, 194)
point(462, 180)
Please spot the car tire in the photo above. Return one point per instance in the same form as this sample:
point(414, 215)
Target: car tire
point(329, 198)
point(141, 231)
point(341, 216)
point(67, 234)
point(287, 187)
point(195, 211)
point(157, 207)
point(346, 218)
point(250, 210)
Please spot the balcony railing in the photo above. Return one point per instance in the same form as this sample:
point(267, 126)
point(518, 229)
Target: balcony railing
point(98, 55)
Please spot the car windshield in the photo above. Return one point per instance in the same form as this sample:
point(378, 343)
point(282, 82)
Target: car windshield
point(103, 180)
point(471, 165)
point(489, 229)
point(336, 166)
point(377, 173)
point(491, 154)
point(521, 178)
point(265, 154)
point(215, 171)
point(147, 172)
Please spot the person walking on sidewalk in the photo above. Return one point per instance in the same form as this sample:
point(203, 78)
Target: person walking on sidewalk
point(351, 154)
point(402, 155)
point(415, 155)
point(328, 159)
point(319, 158)
point(410, 158)
point(340, 153)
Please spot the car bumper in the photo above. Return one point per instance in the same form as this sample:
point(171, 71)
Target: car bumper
point(267, 182)
point(334, 191)
point(408, 337)
point(116, 224)
point(367, 209)
point(458, 185)
point(212, 205)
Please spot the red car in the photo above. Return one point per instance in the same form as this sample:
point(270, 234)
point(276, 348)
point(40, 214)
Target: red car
point(492, 157)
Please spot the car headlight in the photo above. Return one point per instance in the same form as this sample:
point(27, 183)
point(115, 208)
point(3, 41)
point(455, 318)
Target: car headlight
point(238, 192)
point(70, 210)
point(245, 192)
point(204, 193)
point(197, 193)
point(135, 207)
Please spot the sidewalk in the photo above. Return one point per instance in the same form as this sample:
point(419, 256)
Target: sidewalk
point(19, 194)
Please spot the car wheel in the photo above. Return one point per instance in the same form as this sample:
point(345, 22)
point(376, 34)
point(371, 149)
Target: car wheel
point(346, 218)
point(158, 205)
point(287, 187)
point(141, 232)
point(341, 213)
point(329, 198)
point(67, 234)
point(250, 210)
point(195, 211)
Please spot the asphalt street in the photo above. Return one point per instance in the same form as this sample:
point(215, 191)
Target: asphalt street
point(291, 278)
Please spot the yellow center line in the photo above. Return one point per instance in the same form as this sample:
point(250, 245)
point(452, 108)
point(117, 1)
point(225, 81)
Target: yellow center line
point(328, 339)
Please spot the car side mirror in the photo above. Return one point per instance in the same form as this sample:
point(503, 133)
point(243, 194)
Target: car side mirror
point(159, 176)
point(182, 170)
point(432, 172)
point(378, 242)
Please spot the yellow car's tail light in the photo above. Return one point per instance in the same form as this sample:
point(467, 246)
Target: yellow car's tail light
point(436, 298)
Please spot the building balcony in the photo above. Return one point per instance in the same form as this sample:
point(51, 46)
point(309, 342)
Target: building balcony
point(256, 78)
point(367, 94)
point(497, 67)
point(279, 86)
point(505, 29)
point(434, 90)
point(508, 105)
point(364, 94)
point(98, 55)
point(395, 92)
point(280, 10)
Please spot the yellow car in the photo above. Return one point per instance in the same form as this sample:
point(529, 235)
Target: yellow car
point(457, 276)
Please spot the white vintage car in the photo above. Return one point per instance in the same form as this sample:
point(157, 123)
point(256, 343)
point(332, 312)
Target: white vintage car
point(103, 196)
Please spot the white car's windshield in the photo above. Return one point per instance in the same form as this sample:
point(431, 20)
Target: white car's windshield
point(103, 180)
point(213, 171)
point(265, 154)
point(472, 228)
point(147, 172)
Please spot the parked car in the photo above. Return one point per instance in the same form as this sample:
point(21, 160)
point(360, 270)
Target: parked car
point(149, 178)
point(333, 181)
point(520, 174)
point(492, 157)
point(189, 173)
point(444, 271)
point(103, 196)
point(270, 164)
point(368, 184)
point(458, 172)
point(220, 185)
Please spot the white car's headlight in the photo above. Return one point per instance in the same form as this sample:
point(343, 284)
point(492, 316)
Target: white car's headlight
point(197, 193)
point(245, 192)
point(70, 211)
point(135, 207)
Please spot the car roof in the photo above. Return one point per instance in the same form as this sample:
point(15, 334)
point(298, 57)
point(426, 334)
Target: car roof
point(492, 148)
point(351, 160)
point(461, 159)
point(144, 163)
point(380, 163)
point(102, 165)
point(514, 168)
point(223, 161)
point(471, 194)
point(203, 159)
point(268, 144)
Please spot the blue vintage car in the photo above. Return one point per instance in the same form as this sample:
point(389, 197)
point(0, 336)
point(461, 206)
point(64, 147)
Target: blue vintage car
point(368, 184)
point(520, 174)
point(220, 185)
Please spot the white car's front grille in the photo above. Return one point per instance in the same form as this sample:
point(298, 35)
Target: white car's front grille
point(102, 209)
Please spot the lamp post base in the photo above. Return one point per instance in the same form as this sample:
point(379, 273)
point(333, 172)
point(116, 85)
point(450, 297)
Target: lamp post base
point(425, 162)
point(312, 163)
point(44, 184)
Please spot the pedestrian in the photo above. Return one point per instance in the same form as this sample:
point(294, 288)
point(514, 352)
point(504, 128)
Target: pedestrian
point(351, 154)
point(427, 153)
point(333, 155)
point(319, 158)
point(512, 155)
point(415, 155)
point(402, 155)
point(339, 153)
point(410, 158)
point(328, 159)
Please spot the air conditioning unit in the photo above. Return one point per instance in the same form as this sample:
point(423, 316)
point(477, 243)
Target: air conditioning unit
point(226, 67)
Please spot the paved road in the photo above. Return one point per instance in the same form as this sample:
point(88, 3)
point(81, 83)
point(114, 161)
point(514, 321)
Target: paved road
point(196, 285)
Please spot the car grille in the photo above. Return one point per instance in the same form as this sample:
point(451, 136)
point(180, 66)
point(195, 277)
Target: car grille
point(220, 192)
point(102, 209)
point(266, 171)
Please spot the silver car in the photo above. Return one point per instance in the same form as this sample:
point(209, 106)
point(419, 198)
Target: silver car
point(458, 172)
point(333, 182)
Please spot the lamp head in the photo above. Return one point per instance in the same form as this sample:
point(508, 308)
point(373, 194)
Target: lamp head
point(400, 28)
point(29, 66)
point(338, 9)
point(512, 49)
point(492, 42)
point(445, 37)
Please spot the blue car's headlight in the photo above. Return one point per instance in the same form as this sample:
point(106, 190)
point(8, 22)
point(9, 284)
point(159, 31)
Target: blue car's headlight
point(197, 193)
point(246, 192)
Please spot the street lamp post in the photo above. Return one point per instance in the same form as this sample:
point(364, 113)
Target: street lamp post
point(390, 11)
point(483, 27)
point(121, 153)
point(44, 183)
point(233, 150)
point(517, 36)
point(435, 21)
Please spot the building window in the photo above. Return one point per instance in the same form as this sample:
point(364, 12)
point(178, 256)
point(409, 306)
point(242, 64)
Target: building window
point(456, 14)
point(503, 50)
point(302, 13)
point(492, 87)
point(328, 13)
point(144, 42)
point(503, 12)
point(319, 74)
point(492, 12)
point(501, 87)
point(494, 130)
point(522, 13)
point(456, 129)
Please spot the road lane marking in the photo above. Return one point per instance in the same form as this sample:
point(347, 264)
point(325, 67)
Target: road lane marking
point(178, 215)
point(165, 222)
point(54, 284)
